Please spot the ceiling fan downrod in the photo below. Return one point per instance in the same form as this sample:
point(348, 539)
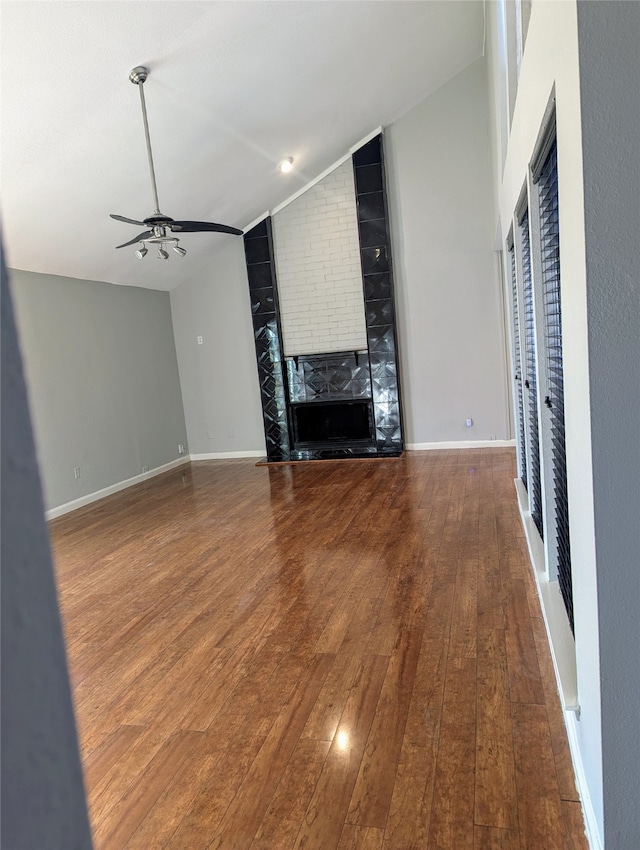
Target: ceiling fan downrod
point(138, 76)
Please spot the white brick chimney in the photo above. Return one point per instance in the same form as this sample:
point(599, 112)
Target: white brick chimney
point(318, 268)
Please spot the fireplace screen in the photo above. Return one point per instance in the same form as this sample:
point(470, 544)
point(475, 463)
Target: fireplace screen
point(331, 423)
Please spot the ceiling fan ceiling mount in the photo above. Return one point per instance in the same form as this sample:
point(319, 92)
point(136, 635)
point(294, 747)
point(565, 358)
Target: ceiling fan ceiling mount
point(139, 74)
point(158, 221)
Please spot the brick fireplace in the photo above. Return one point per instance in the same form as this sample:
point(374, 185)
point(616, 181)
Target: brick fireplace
point(321, 289)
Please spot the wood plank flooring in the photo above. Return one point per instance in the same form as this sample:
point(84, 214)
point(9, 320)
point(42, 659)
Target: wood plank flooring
point(320, 656)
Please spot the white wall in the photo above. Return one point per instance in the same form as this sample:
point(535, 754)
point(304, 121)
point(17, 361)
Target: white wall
point(103, 381)
point(219, 378)
point(446, 274)
point(317, 255)
point(551, 58)
point(498, 110)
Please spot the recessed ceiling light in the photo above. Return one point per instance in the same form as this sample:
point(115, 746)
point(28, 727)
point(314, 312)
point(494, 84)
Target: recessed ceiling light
point(286, 165)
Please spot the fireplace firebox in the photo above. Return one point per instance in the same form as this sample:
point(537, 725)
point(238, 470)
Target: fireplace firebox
point(328, 424)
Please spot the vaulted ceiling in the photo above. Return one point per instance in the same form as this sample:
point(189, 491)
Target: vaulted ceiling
point(234, 87)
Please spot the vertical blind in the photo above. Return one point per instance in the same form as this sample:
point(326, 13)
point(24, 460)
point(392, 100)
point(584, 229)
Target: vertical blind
point(517, 370)
point(531, 379)
point(550, 253)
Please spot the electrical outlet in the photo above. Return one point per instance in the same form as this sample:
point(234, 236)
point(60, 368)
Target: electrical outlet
point(76, 472)
point(199, 340)
point(469, 422)
point(145, 469)
point(181, 448)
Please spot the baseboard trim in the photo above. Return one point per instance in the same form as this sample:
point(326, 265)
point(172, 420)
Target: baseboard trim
point(74, 505)
point(461, 444)
point(563, 656)
point(590, 820)
point(227, 455)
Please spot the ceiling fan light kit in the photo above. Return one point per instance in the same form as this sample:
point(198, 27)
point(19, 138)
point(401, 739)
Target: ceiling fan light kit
point(159, 223)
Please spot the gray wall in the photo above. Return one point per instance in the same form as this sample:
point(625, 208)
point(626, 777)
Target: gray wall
point(447, 283)
point(43, 803)
point(103, 380)
point(219, 378)
point(609, 39)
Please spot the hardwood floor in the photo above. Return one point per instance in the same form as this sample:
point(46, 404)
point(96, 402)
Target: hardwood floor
point(324, 655)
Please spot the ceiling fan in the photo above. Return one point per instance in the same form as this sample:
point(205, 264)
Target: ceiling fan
point(158, 223)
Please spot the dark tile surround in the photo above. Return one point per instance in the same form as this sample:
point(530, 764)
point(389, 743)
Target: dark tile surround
point(267, 335)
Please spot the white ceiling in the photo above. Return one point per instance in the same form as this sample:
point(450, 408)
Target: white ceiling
point(234, 87)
